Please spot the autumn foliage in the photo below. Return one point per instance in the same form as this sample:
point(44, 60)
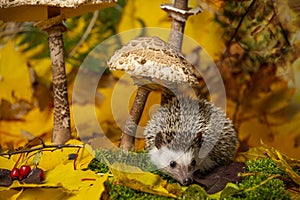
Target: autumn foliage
point(255, 49)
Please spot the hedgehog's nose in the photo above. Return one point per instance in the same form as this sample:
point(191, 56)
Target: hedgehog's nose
point(187, 181)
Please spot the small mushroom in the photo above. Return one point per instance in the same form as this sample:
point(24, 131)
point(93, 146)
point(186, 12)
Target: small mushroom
point(179, 12)
point(50, 13)
point(151, 62)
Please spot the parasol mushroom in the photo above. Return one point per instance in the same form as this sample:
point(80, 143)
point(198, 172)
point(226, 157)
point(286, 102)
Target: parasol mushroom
point(51, 13)
point(151, 62)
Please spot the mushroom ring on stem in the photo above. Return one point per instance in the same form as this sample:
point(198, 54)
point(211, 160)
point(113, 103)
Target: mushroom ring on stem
point(151, 62)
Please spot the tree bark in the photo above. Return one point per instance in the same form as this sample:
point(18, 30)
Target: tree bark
point(61, 129)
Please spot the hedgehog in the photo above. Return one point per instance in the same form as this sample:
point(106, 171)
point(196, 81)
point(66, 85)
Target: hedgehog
point(188, 134)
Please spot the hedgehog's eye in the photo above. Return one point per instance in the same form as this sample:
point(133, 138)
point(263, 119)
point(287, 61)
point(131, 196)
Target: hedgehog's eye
point(193, 163)
point(173, 164)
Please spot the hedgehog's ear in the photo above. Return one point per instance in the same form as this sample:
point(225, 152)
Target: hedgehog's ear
point(198, 139)
point(159, 140)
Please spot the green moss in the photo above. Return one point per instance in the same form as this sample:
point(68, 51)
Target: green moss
point(253, 186)
point(272, 189)
point(121, 192)
point(264, 166)
point(194, 192)
point(139, 159)
point(98, 166)
point(256, 187)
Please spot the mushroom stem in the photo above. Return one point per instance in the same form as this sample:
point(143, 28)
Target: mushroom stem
point(177, 28)
point(176, 36)
point(127, 139)
point(168, 93)
point(61, 130)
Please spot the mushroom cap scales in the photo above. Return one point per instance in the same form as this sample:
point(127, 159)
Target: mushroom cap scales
point(57, 3)
point(153, 58)
point(35, 10)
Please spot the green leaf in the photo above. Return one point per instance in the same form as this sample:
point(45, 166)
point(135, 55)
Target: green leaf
point(37, 157)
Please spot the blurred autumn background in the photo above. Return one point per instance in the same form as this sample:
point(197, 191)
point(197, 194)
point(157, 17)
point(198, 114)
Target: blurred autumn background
point(255, 45)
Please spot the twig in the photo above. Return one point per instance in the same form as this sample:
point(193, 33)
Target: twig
point(17, 161)
point(42, 147)
point(242, 19)
point(74, 163)
point(261, 183)
point(237, 29)
point(235, 114)
point(293, 189)
point(86, 33)
point(284, 32)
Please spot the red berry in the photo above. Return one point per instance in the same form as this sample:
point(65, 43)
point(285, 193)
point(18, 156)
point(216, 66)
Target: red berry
point(15, 173)
point(21, 177)
point(42, 177)
point(24, 170)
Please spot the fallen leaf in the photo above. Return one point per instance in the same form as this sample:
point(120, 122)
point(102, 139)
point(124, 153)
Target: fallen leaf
point(264, 151)
point(252, 154)
point(50, 159)
point(94, 190)
point(34, 176)
point(60, 174)
point(282, 161)
point(6, 163)
point(229, 190)
point(84, 184)
point(5, 179)
point(216, 180)
point(135, 178)
point(42, 193)
point(10, 193)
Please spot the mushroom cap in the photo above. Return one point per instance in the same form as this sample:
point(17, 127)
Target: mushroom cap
point(153, 58)
point(34, 10)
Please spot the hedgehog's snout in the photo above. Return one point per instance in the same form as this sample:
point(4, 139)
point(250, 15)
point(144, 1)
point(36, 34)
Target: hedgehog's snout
point(187, 181)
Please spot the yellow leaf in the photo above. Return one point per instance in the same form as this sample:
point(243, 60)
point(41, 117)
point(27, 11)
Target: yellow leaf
point(45, 193)
point(59, 172)
point(6, 163)
point(65, 176)
point(282, 160)
point(78, 182)
point(16, 196)
point(36, 122)
point(50, 159)
point(252, 154)
point(14, 76)
point(135, 178)
point(93, 191)
point(10, 194)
